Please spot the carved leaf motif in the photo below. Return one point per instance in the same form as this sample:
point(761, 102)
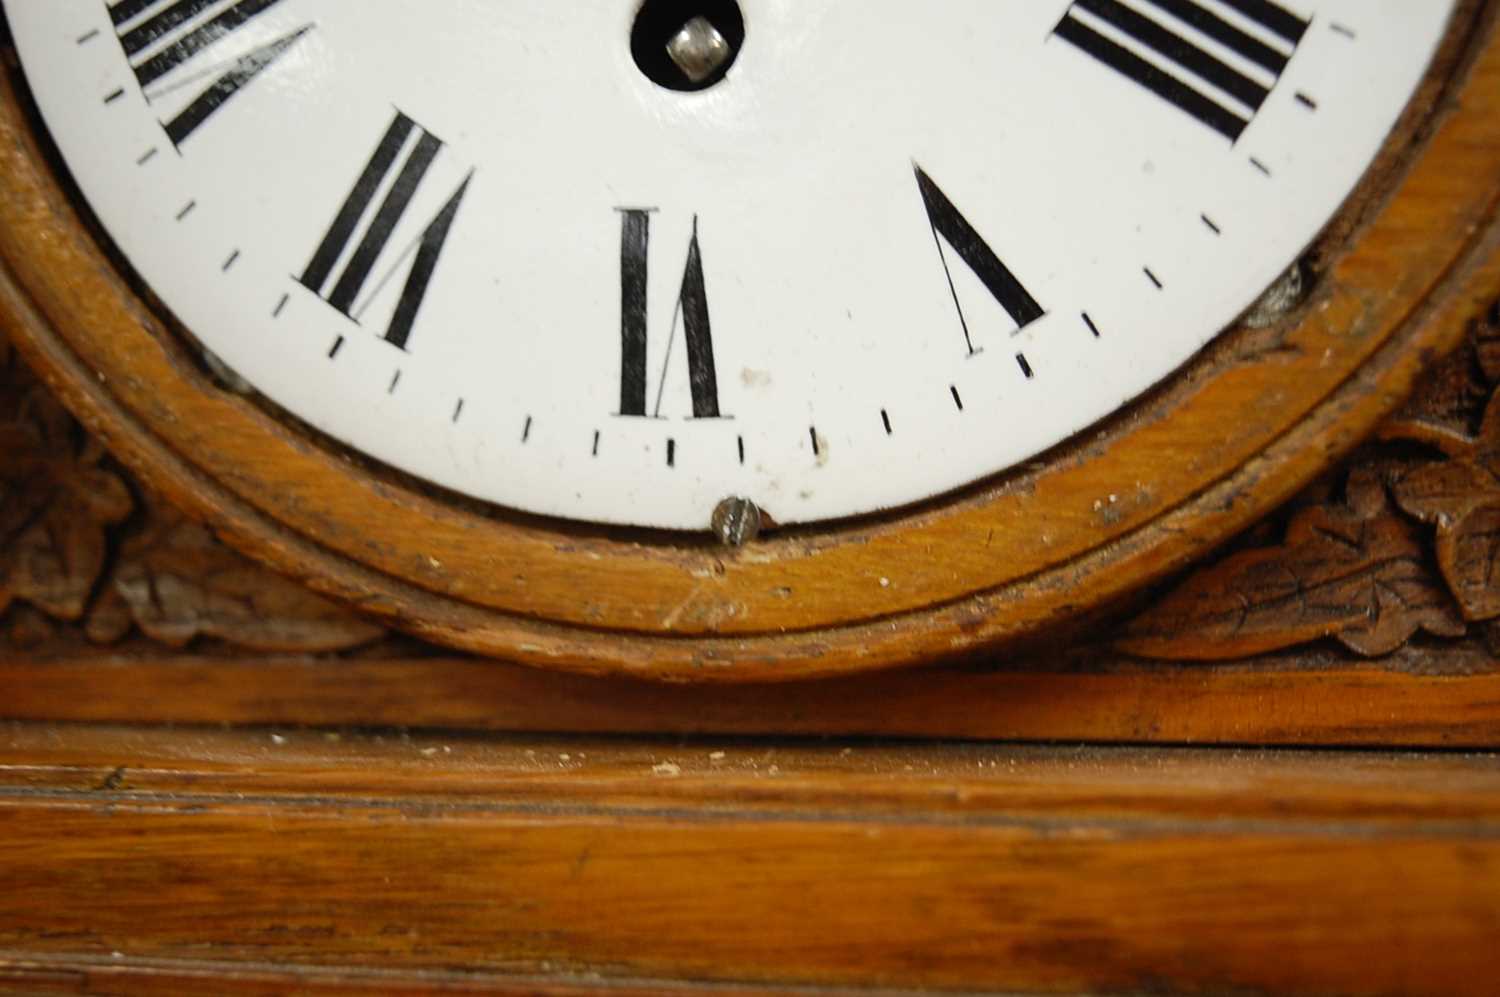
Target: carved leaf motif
point(1355, 572)
point(56, 504)
point(177, 583)
point(1487, 345)
point(1461, 497)
point(172, 579)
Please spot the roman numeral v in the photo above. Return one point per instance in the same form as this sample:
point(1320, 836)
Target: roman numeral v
point(950, 226)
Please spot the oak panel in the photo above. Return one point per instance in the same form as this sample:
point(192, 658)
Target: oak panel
point(945, 867)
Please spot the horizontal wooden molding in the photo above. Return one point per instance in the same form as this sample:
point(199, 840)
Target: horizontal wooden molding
point(753, 864)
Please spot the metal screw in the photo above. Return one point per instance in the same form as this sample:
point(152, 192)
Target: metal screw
point(1280, 300)
point(699, 50)
point(225, 377)
point(736, 522)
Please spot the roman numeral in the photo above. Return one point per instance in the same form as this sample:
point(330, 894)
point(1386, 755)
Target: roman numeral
point(407, 150)
point(160, 36)
point(691, 311)
point(950, 225)
point(1161, 54)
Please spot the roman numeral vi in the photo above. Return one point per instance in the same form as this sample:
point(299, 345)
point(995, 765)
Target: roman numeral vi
point(409, 160)
point(1160, 53)
point(160, 36)
point(692, 311)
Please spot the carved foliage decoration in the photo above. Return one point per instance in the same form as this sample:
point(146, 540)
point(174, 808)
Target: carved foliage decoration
point(77, 545)
point(56, 501)
point(1409, 543)
point(177, 583)
point(1461, 498)
point(1413, 544)
point(1356, 571)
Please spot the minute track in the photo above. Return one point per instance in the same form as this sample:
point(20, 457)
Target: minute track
point(1088, 238)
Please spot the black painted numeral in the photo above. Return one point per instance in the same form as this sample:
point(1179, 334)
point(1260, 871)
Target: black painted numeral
point(949, 225)
point(1160, 54)
point(408, 150)
point(691, 310)
point(161, 36)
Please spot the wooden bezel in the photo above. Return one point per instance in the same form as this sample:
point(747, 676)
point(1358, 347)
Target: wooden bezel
point(1413, 257)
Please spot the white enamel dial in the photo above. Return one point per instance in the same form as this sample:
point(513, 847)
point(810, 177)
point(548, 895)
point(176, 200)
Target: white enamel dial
point(897, 248)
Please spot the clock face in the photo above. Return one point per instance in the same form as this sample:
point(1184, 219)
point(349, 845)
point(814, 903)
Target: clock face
point(617, 263)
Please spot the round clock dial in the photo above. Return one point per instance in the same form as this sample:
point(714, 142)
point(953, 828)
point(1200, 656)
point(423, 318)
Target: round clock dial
point(616, 263)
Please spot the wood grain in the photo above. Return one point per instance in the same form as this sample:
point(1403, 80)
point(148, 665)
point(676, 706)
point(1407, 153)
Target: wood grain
point(1259, 414)
point(34, 975)
point(1045, 870)
point(1293, 699)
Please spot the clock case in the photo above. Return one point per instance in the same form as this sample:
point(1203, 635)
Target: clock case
point(208, 784)
point(1040, 551)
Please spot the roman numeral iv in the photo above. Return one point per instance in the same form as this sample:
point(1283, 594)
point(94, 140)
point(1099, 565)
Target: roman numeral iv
point(162, 36)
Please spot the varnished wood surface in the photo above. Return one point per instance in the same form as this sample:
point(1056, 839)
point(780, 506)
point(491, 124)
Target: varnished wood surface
point(577, 860)
point(1293, 699)
point(1257, 415)
point(119, 610)
point(21, 973)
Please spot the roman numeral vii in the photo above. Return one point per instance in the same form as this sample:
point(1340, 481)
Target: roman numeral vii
point(161, 36)
point(1166, 53)
point(691, 311)
point(407, 150)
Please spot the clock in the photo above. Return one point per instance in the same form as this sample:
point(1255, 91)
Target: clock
point(747, 340)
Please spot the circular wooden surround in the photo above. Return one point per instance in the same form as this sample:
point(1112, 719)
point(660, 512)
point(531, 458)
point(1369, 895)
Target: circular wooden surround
point(1240, 429)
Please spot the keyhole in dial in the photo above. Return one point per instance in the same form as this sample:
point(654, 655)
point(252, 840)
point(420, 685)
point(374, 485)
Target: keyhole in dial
point(687, 44)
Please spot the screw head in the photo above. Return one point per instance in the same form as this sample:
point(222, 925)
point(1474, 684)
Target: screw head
point(736, 522)
point(699, 49)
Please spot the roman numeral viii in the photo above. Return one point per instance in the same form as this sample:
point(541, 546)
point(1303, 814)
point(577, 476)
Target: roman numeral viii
point(691, 311)
point(1168, 52)
point(161, 36)
point(407, 150)
point(949, 225)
